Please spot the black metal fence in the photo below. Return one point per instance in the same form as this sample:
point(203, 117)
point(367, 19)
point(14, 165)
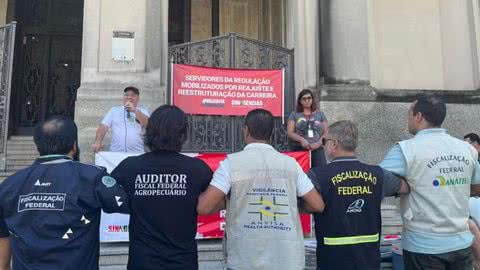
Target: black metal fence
point(224, 133)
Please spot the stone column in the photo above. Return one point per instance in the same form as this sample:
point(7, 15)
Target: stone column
point(344, 41)
point(303, 36)
point(424, 44)
point(104, 79)
point(164, 47)
point(3, 11)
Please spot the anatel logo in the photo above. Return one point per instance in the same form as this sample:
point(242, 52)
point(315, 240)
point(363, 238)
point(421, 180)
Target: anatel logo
point(441, 181)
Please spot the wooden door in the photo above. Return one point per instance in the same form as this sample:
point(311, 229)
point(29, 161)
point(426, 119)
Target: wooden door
point(47, 61)
point(241, 17)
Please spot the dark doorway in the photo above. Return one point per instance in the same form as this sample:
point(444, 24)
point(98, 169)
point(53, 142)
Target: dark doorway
point(47, 63)
point(179, 21)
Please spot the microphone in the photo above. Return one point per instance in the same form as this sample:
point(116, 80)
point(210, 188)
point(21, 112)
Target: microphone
point(128, 113)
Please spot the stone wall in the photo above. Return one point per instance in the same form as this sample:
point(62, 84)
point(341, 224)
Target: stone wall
point(382, 124)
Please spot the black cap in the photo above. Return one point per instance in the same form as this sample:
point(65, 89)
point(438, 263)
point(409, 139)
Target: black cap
point(133, 89)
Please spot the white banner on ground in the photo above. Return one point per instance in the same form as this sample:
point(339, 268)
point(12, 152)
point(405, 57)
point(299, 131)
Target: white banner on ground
point(113, 227)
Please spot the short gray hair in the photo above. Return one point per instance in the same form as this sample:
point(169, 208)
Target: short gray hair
point(346, 133)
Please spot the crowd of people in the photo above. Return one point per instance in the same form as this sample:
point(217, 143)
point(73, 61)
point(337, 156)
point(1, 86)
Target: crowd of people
point(50, 211)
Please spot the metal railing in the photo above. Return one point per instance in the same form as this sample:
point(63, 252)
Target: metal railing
point(7, 45)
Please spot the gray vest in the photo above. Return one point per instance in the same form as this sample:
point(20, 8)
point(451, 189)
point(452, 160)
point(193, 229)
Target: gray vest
point(262, 223)
point(439, 172)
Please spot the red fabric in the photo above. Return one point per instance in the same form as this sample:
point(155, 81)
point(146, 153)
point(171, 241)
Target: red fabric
point(213, 226)
point(221, 91)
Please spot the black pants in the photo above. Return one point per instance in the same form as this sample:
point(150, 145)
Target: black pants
point(455, 260)
point(318, 157)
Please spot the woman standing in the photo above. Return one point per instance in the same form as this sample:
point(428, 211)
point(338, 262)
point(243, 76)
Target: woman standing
point(307, 126)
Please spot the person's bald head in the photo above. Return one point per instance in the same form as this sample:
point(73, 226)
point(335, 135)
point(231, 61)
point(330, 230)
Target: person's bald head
point(56, 135)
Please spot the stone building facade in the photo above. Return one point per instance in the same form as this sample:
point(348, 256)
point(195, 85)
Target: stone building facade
point(366, 59)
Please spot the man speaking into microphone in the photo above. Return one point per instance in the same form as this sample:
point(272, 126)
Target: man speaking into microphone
point(127, 123)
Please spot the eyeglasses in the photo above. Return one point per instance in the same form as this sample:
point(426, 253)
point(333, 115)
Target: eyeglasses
point(325, 140)
point(306, 98)
point(130, 95)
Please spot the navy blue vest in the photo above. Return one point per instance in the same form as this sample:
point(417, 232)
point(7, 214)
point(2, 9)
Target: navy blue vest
point(52, 212)
point(348, 231)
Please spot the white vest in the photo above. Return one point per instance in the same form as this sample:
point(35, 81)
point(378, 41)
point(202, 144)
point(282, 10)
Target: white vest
point(439, 172)
point(262, 223)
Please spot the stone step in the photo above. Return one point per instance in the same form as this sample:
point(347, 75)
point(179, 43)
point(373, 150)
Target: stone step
point(21, 138)
point(116, 254)
point(113, 267)
point(113, 254)
point(27, 151)
point(22, 142)
point(22, 147)
point(21, 156)
point(19, 162)
point(201, 266)
point(215, 265)
point(16, 167)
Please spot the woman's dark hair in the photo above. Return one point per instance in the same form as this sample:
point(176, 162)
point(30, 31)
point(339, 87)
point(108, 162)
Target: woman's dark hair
point(56, 135)
point(303, 93)
point(166, 129)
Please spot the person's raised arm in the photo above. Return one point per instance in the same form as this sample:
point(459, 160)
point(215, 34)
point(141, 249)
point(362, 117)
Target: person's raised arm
point(141, 117)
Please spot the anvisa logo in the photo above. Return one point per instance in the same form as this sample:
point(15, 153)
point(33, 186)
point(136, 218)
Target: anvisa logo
point(441, 181)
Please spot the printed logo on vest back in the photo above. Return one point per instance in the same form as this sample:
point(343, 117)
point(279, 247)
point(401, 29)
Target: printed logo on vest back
point(356, 206)
point(441, 181)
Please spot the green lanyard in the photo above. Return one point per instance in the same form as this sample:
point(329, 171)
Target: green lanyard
point(54, 156)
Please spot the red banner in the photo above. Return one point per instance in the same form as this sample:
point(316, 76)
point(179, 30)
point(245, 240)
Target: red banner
point(220, 91)
point(213, 226)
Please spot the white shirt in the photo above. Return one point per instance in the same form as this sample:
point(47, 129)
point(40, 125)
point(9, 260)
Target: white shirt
point(221, 177)
point(126, 132)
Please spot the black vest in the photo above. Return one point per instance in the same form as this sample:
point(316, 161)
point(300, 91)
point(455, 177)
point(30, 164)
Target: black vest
point(348, 231)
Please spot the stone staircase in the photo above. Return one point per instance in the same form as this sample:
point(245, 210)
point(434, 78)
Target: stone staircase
point(114, 256)
point(21, 152)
